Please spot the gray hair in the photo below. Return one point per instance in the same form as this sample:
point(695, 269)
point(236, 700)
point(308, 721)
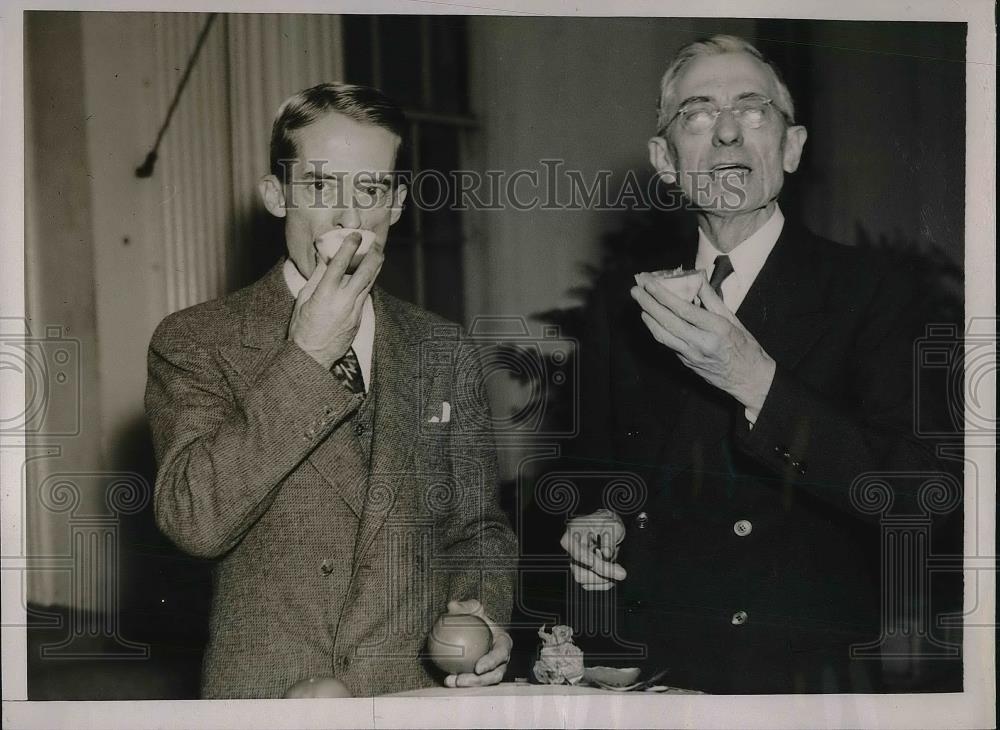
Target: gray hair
point(717, 45)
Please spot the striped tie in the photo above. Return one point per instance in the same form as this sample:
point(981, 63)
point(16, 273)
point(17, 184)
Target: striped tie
point(348, 372)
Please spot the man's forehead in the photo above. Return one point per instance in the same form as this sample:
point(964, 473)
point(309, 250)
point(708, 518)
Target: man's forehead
point(337, 140)
point(724, 75)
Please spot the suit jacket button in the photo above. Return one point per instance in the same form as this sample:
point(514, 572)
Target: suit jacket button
point(326, 567)
point(743, 528)
point(641, 520)
point(359, 428)
point(740, 618)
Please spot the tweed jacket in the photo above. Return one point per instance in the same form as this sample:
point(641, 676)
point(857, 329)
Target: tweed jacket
point(750, 567)
point(341, 524)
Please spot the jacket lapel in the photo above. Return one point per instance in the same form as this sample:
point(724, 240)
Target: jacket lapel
point(395, 387)
point(264, 322)
point(784, 308)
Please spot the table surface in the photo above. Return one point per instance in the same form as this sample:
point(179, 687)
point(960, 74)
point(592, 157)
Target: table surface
point(517, 689)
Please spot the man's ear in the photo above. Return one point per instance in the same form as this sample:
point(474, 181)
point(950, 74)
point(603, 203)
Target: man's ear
point(272, 193)
point(660, 159)
point(795, 140)
point(398, 198)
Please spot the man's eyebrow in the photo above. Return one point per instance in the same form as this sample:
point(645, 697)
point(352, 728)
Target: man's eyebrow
point(378, 177)
point(751, 95)
point(311, 173)
point(693, 100)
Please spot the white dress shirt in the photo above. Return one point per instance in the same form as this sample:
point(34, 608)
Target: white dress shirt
point(364, 340)
point(747, 259)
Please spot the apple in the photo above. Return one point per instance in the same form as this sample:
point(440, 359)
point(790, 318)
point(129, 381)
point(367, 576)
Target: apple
point(457, 641)
point(317, 687)
point(330, 242)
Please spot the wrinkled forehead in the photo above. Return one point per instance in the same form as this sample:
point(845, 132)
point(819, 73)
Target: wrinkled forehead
point(723, 78)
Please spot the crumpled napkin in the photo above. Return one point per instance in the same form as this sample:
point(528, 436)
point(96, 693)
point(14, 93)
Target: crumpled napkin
point(560, 661)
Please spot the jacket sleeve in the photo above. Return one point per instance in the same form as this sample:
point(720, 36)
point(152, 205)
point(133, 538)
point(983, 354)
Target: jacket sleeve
point(223, 446)
point(824, 445)
point(481, 545)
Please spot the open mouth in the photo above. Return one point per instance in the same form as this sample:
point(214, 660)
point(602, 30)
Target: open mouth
point(730, 168)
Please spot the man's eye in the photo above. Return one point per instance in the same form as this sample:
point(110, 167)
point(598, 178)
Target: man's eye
point(320, 185)
point(699, 114)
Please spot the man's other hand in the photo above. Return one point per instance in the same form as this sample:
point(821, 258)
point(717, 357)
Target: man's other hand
point(710, 341)
point(327, 311)
point(490, 667)
point(592, 543)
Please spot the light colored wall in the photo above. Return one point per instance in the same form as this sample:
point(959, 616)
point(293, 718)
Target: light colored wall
point(580, 90)
point(59, 272)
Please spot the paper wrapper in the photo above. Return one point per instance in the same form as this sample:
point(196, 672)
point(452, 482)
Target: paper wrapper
point(560, 661)
point(680, 282)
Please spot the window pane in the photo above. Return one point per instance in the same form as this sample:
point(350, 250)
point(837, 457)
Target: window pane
point(358, 49)
point(449, 65)
point(399, 46)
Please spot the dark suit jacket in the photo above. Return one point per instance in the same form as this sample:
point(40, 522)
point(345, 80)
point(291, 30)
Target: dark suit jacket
point(749, 568)
point(341, 525)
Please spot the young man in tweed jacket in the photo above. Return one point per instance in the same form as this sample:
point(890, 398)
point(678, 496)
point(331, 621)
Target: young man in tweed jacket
point(292, 429)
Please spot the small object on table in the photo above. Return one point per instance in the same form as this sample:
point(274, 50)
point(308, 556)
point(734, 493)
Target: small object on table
point(560, 661)
point(611, 676)
point(317, 687)
point(457, 641)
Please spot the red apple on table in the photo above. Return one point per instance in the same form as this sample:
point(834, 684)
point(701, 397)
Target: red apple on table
point(457, 641)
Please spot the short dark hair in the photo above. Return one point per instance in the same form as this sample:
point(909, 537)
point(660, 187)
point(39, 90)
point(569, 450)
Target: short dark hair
point(363, 104)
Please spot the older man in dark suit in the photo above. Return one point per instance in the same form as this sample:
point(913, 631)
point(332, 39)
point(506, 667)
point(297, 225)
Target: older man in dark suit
point(295, 444)
point(748, 407)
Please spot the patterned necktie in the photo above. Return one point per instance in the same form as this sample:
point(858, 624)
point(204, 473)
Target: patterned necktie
point(348, 372)
point(723, 268)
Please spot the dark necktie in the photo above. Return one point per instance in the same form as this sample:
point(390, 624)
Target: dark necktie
point(348, 372)
point(723, 268)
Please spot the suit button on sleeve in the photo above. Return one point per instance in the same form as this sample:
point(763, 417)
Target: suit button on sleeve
point(739, 618)
point(743, 528)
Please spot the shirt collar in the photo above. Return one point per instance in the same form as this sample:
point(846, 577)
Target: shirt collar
point(749, 255)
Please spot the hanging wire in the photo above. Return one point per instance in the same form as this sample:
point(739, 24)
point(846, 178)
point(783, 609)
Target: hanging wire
point(146, 168)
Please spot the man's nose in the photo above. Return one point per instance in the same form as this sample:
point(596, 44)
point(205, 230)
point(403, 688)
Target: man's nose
point(350, 217)
point(727, 129)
